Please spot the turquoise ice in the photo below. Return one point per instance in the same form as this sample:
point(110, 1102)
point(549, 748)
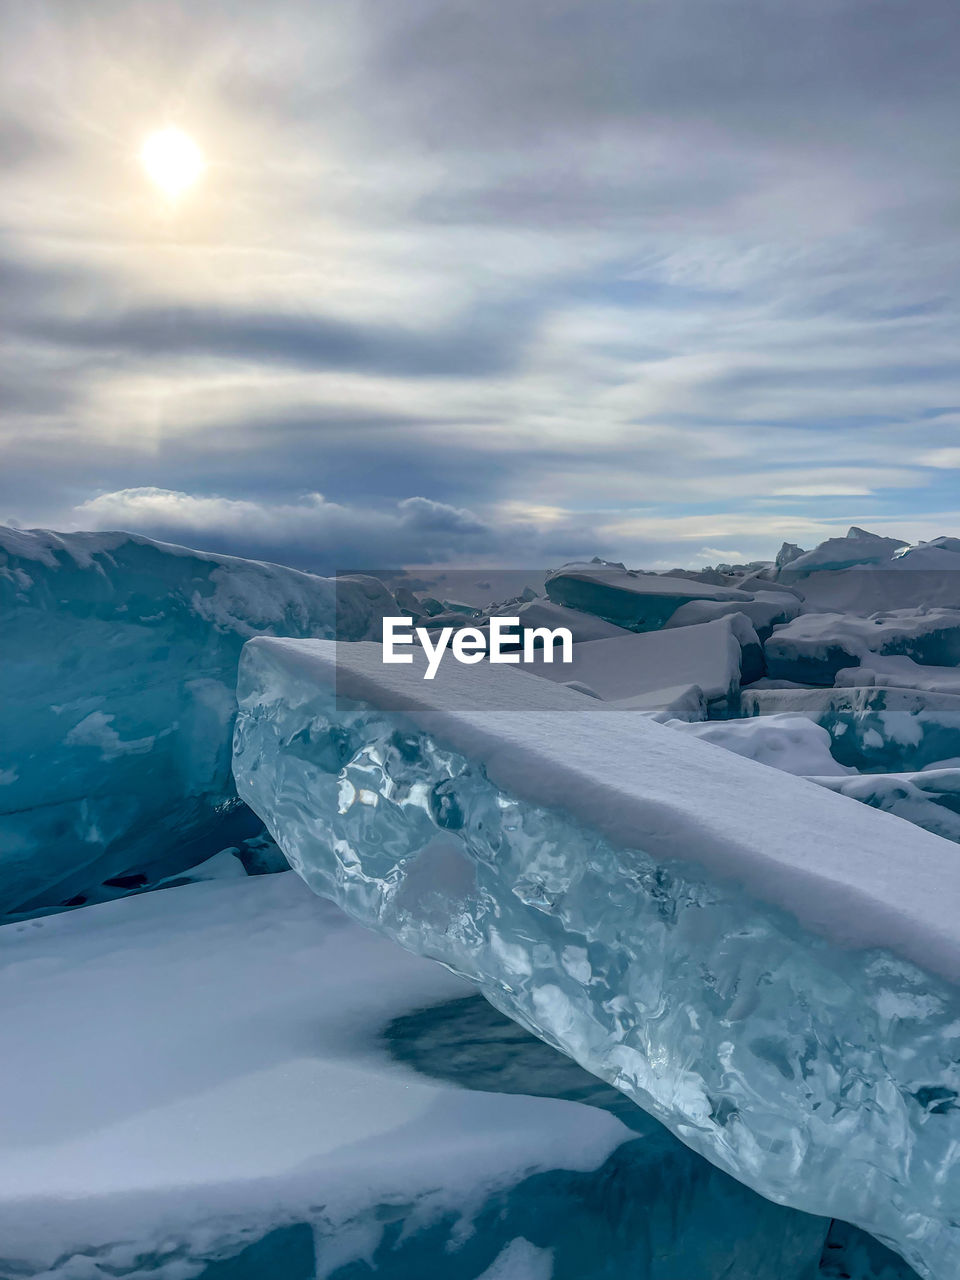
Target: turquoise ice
point(118, 661)
point(766, 967)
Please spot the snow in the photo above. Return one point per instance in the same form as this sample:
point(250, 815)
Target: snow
point(521, 1260)
point(815, 646)
point(881, 730)
point(899, 673)
point(627, 669)
point(897, 584)
point(117, 701)
point(790, 742)
point(763, 956)
point(765, 610)
point(859, 547)
point(930, 798)
point(675, 702)
point(582, 626)
point(187, 1069)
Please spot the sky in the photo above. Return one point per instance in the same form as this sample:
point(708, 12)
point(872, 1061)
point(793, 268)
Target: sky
point(500, 282)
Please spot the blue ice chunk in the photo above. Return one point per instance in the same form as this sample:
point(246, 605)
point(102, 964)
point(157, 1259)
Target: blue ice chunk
point(118, 660)
point(765, 967)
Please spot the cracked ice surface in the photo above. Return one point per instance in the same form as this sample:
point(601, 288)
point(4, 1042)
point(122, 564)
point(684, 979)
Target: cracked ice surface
point(766, 967)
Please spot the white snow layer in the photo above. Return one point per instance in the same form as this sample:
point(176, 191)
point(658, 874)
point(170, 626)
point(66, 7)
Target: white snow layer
point(626, 669)
point(899, 673)
point(788, 741)
point(184, 1069)
point(859, 877)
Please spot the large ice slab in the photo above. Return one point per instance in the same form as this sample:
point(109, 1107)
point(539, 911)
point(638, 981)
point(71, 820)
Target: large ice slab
point(637, 601)
point(813, 648)
point(626, 669)
point(766, 610)
point(919, 577)
point(118, 660)
point(544, 613)
point(766, 967)
point(857, 547)
point(203, 1083)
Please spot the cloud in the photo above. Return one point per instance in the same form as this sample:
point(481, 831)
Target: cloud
point(829, 489)
point(633, 269)
point(943, 458)
point(21, 144)
point(722, 555)
point(312, 532)
point(314, 341)
point(749, 64)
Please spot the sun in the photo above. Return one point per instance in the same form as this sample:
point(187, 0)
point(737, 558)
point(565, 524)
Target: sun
point(172, 161)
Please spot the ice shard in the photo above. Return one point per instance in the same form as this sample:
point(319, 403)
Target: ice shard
point(770, 969)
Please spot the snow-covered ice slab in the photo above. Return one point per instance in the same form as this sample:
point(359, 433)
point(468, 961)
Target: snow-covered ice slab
point(858, 548)
point(637, 601)
point(766, 610)
point(814, 647)
point(900, 673)
point(766, 967)
point(930, 798)
point(627, 669)
point(582, 626)
point(923, 576)
point(880, 730)
point(201, 1079)
point(118, 662)
point(790, 742)
point(676, 702)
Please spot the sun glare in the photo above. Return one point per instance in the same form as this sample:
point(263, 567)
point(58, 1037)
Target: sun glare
point(172, 161)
